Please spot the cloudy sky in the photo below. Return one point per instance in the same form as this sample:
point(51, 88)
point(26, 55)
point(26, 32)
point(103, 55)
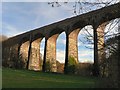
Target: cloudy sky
point(20, 17)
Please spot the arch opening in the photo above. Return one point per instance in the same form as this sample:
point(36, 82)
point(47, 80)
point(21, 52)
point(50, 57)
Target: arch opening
point(60, 52)
point(42, 46)
point(85, 50)
point(85, 45)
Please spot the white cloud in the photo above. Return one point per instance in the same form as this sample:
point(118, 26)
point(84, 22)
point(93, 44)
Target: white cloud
point(10, 30)
point(61, 41)
point(42, 47)
point(64, 42)
point(60, 56)
point(42, 52)
point(85, 55)
point(84, 60)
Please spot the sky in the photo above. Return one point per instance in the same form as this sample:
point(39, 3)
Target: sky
point(20, 17)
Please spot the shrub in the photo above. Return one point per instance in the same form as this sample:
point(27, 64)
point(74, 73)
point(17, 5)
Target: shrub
point(48, 66)
point(71, 68)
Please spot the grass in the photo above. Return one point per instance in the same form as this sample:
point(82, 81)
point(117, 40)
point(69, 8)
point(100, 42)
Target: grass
point(12, 78)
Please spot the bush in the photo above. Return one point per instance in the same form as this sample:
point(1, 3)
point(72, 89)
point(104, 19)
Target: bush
point(84, 69)
point(48, 66)
point(71, 68)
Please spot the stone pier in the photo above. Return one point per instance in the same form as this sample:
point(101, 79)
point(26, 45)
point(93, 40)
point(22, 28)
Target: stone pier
point(73, 45)
point(101, 41)
point(34, 62)
point(51, 52)
point(23, 54)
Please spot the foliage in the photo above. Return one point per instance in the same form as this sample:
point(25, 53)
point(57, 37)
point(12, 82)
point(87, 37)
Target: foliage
point(15, 60)
point(84, 69)
point(109, 66)
point(48, 66)
point(72, 61)
point(18, 62)
point(71, 68)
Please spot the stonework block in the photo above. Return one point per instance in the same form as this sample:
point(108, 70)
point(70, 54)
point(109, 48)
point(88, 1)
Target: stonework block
point(73, 47)
point(51, 52)
point(34, 62)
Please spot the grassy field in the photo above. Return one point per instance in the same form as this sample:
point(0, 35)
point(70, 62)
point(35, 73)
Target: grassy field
point(12, 78)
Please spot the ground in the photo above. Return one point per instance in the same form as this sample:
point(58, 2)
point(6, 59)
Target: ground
point(12, 78)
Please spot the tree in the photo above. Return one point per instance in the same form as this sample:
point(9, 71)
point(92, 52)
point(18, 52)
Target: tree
point(78, 8)
point(71, 68)
point(110, 65)
point(83, 6)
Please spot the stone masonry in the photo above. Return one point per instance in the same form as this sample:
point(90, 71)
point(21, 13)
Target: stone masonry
point(73, 47)
point(51, 52)
point(101, 41)
point(24, 52)
point(34, 63)
point(28, 44)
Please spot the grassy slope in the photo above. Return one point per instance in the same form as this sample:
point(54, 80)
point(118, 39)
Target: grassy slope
point(29, 79)
point(0, 78)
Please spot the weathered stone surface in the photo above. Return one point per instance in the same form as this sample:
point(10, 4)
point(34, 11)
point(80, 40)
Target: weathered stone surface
point(34, 62)
point(95, 18)
point(13, 60)
point(24, 52)
point(51, 52)
point(101, 42)
point(73, 44)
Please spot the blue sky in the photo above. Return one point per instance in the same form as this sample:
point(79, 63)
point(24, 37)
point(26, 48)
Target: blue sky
point(20, 17)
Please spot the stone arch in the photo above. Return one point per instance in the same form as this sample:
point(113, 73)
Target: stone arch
point(56, 31)
point(79, 24)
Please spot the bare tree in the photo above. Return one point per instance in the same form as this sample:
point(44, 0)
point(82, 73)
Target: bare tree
point(83, 6)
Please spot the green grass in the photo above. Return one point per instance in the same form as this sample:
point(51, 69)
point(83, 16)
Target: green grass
point(12, 78)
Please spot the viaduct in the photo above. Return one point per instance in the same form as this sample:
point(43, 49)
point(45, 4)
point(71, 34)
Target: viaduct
point(27, 45)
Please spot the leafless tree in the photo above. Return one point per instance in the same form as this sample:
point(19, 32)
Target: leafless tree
point(83, 6)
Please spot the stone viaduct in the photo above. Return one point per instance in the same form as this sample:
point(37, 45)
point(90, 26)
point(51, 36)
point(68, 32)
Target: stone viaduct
point(27, 45)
